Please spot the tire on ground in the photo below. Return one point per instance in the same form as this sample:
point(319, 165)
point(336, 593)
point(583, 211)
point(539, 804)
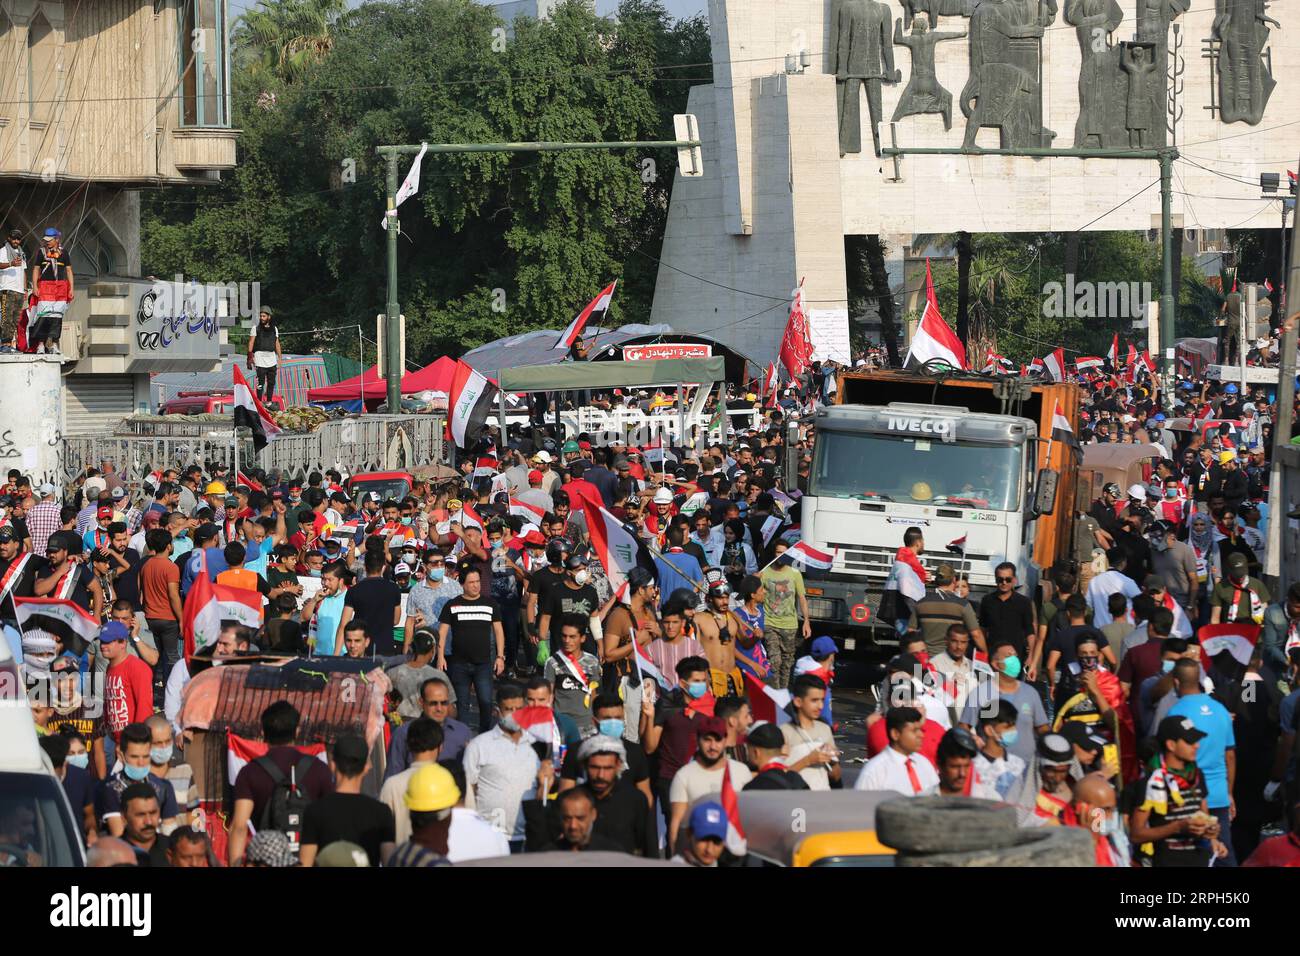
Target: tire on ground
point(944, 824)
point(1046, 846)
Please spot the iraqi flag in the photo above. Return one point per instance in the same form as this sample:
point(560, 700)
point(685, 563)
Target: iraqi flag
point(208, 604)
point(904, 579)
point(957, 545)
point(1062, 432)
point(1144, 361)
point(247, 481)
point(617, 551)
point(241, 751)
point(736, 843)
point(468, 404)
point(252, 414)
point(597, 308)
point(410, 186)
point(1086, 362)
point(1054, 363)
point(767, 703)
point(530, 513)
point(467, 517)
point(1112, 355)
point(811, 557)
point(647, 668)
point(934, 340)
point(58, 617)
point(540, 727)
point(771, 383)
point(1036, 367)
point(995, 364)
point(1237, 639)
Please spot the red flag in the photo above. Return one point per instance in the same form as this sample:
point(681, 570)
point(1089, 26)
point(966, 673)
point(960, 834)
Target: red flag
point(796, 343)
point(766, 703)
point(1112, 355)
point(736, 842)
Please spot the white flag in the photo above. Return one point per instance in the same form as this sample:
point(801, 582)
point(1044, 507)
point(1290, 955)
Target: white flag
point(410, 185)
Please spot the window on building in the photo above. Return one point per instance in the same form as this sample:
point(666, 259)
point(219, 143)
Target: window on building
point(205, 67)
point(94, 249)
point(42, 70)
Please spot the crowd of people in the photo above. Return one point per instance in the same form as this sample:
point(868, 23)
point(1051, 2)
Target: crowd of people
point(483, 600)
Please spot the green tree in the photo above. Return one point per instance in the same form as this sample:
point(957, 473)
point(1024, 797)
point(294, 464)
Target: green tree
point(285, 38)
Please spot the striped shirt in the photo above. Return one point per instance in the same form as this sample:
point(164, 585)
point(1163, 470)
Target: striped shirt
point(667, 655)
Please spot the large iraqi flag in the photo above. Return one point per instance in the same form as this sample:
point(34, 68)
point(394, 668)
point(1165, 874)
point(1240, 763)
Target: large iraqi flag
point(252, 414)
point(468, 404)
point(208, 604)
point(934, 339)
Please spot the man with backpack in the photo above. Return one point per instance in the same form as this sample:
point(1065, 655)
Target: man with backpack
point(273, 791)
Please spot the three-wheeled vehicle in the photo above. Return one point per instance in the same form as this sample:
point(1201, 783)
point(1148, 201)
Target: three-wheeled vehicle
point(814, 828)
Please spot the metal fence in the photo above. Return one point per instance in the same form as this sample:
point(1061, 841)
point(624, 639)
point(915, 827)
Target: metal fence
point(352, 445)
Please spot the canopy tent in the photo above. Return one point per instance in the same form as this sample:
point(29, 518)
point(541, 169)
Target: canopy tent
point(588, 375)
point(538, 348)
point(371, 387)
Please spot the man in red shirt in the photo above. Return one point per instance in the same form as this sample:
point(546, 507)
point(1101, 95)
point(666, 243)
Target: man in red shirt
point(128, 683)
point(580, 490)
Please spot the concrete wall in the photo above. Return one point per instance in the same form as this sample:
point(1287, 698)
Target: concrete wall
point(725, 227)
point(31, 415)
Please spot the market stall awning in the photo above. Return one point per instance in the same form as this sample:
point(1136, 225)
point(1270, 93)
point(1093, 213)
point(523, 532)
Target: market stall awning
point(586, 375)
point(435, 377)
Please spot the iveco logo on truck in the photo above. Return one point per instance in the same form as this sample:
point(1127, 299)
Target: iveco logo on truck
point(945, 428)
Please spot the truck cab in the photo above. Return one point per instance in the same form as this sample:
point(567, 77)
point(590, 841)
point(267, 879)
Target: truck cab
point(968, 475)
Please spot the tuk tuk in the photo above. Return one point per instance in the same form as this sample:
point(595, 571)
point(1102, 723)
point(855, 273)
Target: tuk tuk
point(814, 828)
point(1124, 464)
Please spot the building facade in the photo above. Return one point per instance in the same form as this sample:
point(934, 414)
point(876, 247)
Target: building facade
point(99, 100)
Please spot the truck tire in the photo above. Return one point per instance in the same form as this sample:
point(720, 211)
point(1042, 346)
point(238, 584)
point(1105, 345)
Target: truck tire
point(945, 824)
point(1046, 846)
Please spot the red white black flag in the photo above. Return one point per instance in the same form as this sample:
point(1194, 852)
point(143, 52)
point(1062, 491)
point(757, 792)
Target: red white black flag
point(251, 413)
point(934, 339)
point(468, 404)
point(597, 308)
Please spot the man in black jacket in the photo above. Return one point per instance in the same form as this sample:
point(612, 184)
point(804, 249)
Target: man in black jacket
point(766, 749)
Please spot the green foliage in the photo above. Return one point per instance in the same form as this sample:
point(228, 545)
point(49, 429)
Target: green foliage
point(1009, 288)
point(539, 233)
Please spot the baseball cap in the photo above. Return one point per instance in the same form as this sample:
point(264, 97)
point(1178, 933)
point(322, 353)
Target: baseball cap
point(46, 489)
point(423, 641)
point(1237, 562)
point(823, 646)
point(1077, 733)
point(118, 493)
point(710, 726)
point(8, 534)
point(1054, 751)
point(401, 568)
point(709, 820)
point(765, 735)
point(372, 496)
point(104, 511)
point(534, 475)
point(1153, 582)
point(534, 538)
point(342, 853)
point(113, 631)
point(1178, 728)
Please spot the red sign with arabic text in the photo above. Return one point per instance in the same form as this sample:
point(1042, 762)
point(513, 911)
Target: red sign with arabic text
point(678, 350)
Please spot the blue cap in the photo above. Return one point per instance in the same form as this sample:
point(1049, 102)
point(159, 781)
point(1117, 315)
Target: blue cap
point(709, 820)
point(1160, 416)
point(823, 646)
point(1230, 388)
point(52, 233)
point(113, 631)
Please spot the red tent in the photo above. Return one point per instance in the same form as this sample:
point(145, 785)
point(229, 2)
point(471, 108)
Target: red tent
point(435, 377)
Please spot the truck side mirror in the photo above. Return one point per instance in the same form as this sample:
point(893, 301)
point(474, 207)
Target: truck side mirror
point(1045, 492)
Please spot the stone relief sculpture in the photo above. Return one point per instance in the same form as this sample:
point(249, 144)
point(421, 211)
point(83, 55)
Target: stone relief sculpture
point(1102, 85)
point(1245, 68)
point(923, 93)
point(935, 9)
point(1138, 61)
point(1003, 89)
point(862, 56)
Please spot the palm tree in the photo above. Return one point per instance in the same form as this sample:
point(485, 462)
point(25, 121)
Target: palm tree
point(284, 38)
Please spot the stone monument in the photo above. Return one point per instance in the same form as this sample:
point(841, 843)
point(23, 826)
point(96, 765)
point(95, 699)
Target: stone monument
point(923, 93)
point(862, 56)
point(1245, 69)
point(1003, 90)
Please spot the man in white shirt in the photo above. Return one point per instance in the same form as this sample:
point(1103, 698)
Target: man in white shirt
point(502, 769)
point(13, 288)
point(812, 752)
point(900, 766)
point(1101, 587)
point(703, 774)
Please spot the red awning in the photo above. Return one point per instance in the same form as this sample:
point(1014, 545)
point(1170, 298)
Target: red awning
point(435, 377)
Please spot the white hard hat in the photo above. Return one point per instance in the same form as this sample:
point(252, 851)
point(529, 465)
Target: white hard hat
point(1137, 491)
point(663, 497)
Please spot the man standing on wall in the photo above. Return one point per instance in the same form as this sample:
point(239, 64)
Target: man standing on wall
point(264, 354)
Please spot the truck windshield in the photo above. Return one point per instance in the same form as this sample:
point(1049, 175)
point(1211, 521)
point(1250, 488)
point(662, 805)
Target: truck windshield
point(917, 470)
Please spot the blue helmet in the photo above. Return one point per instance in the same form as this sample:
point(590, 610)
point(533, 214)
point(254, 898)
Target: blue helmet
point(1230, 388)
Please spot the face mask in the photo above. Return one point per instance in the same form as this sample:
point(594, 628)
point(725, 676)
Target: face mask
point(160, 755)
point(1167, 666)
point(697, 689)
point(1010, 737)
point(611, 727)
point(1171, 492)
point(498, 544)
point(436, 574)
point(537, 559)
point(582, 577)
point(313, 572)
point(135, 773)
point(1011, 667)
point(79, 760)
point(1088, 664)
point(406, 521)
